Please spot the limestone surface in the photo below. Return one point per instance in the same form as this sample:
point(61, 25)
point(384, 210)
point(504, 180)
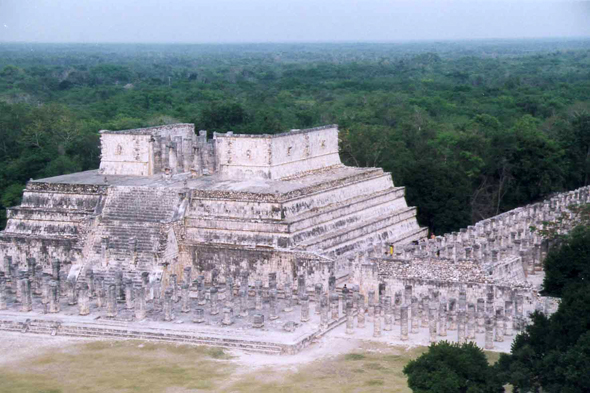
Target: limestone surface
point(259, 241)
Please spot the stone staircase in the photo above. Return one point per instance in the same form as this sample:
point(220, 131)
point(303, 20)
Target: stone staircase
point(120, 330)
point(132, 217)
point(141, 204)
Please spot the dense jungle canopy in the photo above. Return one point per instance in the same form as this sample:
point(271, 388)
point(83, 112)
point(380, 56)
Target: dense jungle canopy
point(471, 128)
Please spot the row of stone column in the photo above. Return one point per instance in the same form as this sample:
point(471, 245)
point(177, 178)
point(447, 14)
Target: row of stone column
point(498, 237)
point(136, 296)
point(440, 316)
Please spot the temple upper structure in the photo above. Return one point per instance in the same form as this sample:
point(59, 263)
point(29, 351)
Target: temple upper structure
point(176, 149)
point(165, 198)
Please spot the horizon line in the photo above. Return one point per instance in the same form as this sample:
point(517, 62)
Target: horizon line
point(417, 40)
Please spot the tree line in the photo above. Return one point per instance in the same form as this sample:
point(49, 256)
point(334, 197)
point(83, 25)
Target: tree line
point(471, 129)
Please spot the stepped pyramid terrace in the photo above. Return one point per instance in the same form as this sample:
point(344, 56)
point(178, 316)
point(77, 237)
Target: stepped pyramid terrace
point(165, 199)
point(263, 242)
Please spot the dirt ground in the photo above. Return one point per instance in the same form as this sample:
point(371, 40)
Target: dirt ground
point(30, 363)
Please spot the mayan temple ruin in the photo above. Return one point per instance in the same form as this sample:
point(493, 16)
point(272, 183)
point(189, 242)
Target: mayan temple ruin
point(263, 242)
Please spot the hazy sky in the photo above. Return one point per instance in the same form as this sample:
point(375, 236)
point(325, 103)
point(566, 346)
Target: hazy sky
point(287, 20)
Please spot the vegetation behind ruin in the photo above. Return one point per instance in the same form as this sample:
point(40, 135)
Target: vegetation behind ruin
point(471, 128)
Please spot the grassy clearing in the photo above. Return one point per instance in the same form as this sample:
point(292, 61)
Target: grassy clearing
point(365, 370)
point(133, 366)
point(125, 366)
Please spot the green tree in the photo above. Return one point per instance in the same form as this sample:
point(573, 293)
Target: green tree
point(551, 355)
point(452, 368)
point(222, 117)
point(569, 263)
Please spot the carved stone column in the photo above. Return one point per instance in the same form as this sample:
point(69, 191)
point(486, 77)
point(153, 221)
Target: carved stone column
point(480, 315)
point(407, 295)
point(140, 303)
point(461, 326)
point(371, 308)
point(442, 319)
point(499, 325)
point(273, 305)
point(129, 301)
point(145, 283)
point(489, 343)
point(27, 299)
point(360, 319)
point(349, 318)
point(83, 300)
point(388, 317)
point(199, 315)
point(186, 275)
point(55, 269)
point(112, 301)
point(100, 292)
point(186, 301)
point(54, 306)
point(91, 283)
point(304, 300)
point(3, 294)
point(258, 295)
point(229, 291)
point(318, 294)
point(19, 287)
point(397, 307)
point(258, 321)
point(38, 281)
point(452, 315)
point(228, 316)
point(471, 321)
point(289, 298)
point(214, 303)
point(301, 287)
point(119, 287)
point(174, 286)
point(72, 293)
point(377, 322)
point(424, 312)
point(168, 304)
point(519, 300)
point(325, 314)
point(201, 291)
point(415, 315)
point(404, 322)
point(244, 279)
point(243, 302)
point(432, 321)
point(45, 289)
point(509, 321)
point(335, 312)
point(272, 281)
point(157, 292)
point(7, 267)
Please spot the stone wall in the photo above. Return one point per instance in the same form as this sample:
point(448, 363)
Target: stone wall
point(126, 154)
point(277, 156)
point(148, 151)
point(288, 265)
